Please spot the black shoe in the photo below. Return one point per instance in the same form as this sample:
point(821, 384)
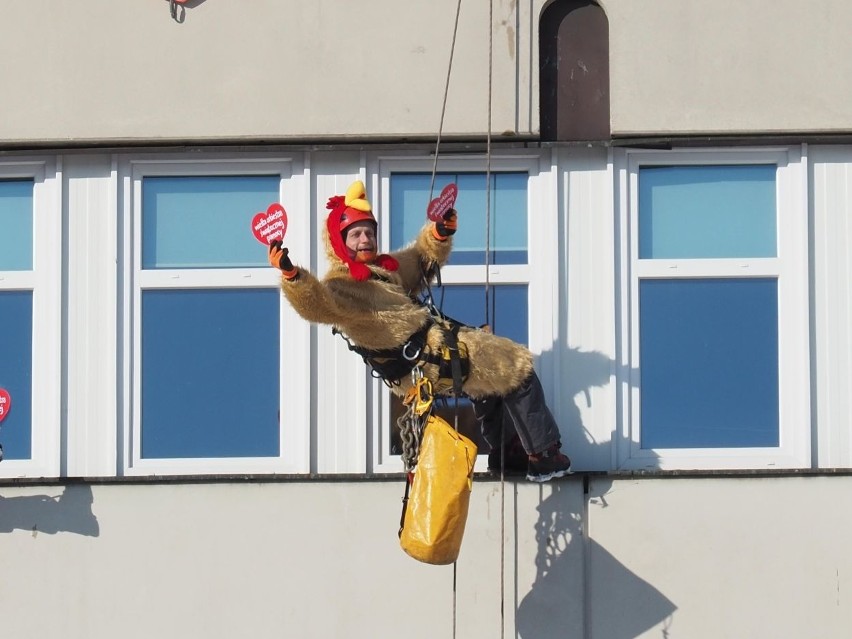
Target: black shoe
point(514, 458)
point(550, 464)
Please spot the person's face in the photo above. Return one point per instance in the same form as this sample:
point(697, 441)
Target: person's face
point(361, 241)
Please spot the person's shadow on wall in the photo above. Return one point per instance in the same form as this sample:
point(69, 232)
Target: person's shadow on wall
point(632, 604)
point(626, 605)
point(69, 511)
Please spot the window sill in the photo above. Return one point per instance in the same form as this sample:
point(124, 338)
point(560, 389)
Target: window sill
point(397, 477)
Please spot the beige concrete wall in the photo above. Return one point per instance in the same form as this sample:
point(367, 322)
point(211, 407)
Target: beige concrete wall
point(685, 558)
point(730, 67)
point(268, 560)
point(264, 69)
point(735, 557)
point(284, 71)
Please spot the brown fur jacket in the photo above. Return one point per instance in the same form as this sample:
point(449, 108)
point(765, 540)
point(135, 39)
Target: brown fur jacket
point(379, 313)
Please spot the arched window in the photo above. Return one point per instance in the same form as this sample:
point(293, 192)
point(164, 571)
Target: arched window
point(574, 71)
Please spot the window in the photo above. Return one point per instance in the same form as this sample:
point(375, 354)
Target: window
point(211, 331)
point(510, 256)
point(30, 259)
point(714, 291)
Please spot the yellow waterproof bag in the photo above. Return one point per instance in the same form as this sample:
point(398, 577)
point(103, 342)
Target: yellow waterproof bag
point(435, 512)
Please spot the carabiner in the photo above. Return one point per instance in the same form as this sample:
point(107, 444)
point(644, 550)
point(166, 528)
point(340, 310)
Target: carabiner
point(424, 396)
point(416, 375)
point(410, 358)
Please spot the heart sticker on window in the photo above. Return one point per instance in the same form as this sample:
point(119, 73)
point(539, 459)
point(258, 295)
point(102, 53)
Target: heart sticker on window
point(442, 203)
point(5, 403)
point(270, 226)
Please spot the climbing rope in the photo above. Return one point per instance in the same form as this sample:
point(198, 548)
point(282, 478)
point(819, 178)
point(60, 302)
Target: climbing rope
point(408, 422)
point(488, 314)
point(488, 168)
point(431, 190)
point(444, 104)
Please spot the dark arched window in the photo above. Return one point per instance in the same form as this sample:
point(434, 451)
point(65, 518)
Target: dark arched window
point(574, 71)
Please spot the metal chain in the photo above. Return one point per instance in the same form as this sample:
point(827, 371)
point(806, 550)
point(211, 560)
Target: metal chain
point(418, 403)
point(410, 430)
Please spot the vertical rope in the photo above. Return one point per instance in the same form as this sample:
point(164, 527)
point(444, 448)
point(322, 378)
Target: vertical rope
point(444, 105)
point(488, 316)
point(455, 574)
point(431, 191)
point(455, 565)
point(488, 169)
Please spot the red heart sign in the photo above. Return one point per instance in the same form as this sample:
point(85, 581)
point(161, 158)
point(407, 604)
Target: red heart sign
point(442, 203)
point(5, 403)
point(270, 226)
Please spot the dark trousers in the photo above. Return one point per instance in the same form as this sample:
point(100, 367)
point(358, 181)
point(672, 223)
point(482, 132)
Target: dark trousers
point(523, 411)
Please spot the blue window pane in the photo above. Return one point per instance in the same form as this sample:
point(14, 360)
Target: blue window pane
point(16, 225)
point(204, 222)
point(507, 305)
point(16, 369)
point(210, 373)
point(709, 363)
point(508, 227)
point(707, 211)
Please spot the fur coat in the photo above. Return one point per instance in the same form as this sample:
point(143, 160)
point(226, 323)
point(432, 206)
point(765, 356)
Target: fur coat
point(379, 313)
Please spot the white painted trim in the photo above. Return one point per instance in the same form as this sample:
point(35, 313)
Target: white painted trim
point(17, 280)
point(831, 204)
point(91, 425)
point(585, 403)
point(341, 393)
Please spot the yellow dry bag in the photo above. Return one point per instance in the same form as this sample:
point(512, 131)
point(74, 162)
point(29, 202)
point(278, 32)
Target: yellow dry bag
point(435, 512)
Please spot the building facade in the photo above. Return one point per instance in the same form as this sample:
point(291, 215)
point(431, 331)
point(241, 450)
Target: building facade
point(653, 196)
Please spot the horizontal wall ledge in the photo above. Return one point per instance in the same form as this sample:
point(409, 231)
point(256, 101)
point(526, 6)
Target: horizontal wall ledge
point(398, 477)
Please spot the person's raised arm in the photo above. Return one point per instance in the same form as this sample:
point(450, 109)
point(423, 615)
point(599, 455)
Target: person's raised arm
point(306, 294)
point(432, 246)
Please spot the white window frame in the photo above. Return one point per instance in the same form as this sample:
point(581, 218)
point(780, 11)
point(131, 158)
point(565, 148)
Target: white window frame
point(540, 274)
point(45, 282)
point(791, 269)
point(294, 436)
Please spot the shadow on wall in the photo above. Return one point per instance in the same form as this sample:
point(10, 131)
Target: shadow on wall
point(632, 605)
point(70, 511)
point(618, 604)
point(583, 371)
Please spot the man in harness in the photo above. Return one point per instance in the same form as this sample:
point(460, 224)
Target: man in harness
point(373, 301)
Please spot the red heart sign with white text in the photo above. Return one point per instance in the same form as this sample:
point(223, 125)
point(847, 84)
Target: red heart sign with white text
point(270, 226)
point(5, 403)
point(442, 203)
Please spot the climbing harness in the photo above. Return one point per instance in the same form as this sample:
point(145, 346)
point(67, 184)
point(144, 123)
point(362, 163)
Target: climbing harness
point(392, 365)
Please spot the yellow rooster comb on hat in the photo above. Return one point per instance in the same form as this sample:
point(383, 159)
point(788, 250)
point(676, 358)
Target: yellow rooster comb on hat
point(356, 197)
